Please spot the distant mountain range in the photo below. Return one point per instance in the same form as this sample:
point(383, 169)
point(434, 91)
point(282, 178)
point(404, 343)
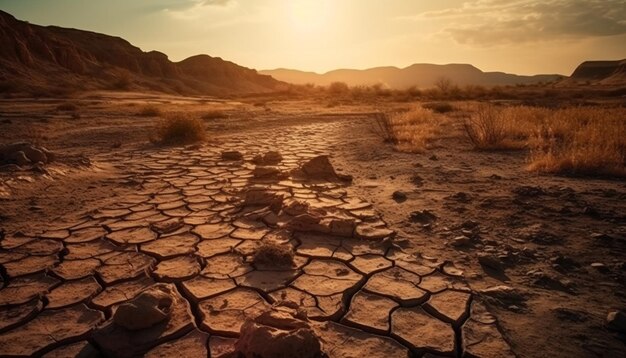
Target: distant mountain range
point(51, 59)
point(421, 75)
point(38, 58)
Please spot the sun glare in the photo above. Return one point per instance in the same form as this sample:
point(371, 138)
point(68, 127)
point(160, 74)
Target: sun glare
point(308, 17)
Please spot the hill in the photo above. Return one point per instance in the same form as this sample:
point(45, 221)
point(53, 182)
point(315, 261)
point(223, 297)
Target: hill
point(600, 72)
point(44, 59)
point(419, 75)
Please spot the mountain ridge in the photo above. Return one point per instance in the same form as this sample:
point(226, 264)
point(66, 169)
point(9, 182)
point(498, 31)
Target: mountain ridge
point(44, 58)
point(421, 75)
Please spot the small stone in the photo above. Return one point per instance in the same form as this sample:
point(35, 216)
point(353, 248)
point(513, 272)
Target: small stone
point(399, 196)
point(616, 320)
point(461, 241)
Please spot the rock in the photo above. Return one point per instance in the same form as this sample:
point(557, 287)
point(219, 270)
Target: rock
point(269, 158)
point(490, 261)
point(277, 334)
point(267, 173)
point(399, 196)
point(270, 254)
point(35, 155)
point(424, 217)
point(461, 241)
point(147, 309)
point(529, 191)
point(600, 267)
point(616, 320)
point(18, 158)
point(115, 340)
point(504, 296)
point(320, 168)
point(232, 155)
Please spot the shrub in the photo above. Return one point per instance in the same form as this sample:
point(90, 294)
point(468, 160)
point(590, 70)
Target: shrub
point(66, 107)
point(486, 128)
point(178, 130)
point(149, 111)
point(412, 130)
point(338, 88)
point(439, 107)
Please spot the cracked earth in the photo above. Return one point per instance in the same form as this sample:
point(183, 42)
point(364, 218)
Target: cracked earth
point(192, 225)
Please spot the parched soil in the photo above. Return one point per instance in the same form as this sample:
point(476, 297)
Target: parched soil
point(474, 256)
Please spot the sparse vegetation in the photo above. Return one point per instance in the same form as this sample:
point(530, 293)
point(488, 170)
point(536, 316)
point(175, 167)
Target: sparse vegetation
point(486, 128)
point(149, 111)
point(439, 107)
point(273, 255)
point(413, 130)
point(178, 129)
point(580, 141)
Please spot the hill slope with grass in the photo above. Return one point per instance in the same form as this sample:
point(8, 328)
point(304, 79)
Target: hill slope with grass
point(50, 59)
point(422, 75)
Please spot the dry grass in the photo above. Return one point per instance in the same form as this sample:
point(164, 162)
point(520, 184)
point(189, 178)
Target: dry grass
point(178, 129)
point(149, 111)
point(413, 130)
point(580, 141)
point(439, 107)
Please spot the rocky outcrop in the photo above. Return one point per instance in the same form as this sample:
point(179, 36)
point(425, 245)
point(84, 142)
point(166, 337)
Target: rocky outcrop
point(604, 72)
point(35, 57)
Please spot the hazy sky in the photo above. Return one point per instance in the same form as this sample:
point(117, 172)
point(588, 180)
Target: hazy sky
point(520, 36)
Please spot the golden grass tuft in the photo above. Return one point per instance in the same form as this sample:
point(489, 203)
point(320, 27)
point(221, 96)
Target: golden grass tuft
point(178, 129)
point(412, 130)
point(580, 141)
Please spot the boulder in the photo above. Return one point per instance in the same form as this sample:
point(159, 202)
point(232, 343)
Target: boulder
point(269, 158)
point(616, 321)
point(232, 155)
point(320, 168)
point(145, 310)
point(279, 335)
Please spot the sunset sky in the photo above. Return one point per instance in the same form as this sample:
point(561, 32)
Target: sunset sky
point(519, 36)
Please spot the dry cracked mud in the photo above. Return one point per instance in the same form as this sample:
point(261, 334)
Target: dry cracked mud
point(193, 222)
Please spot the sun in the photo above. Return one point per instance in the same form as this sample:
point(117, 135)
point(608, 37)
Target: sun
point(309, 16)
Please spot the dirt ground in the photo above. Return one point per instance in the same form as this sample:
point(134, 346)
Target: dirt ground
point(559, 243)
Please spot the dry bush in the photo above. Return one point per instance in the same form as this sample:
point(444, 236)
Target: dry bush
point(580, 141)
point(489, 128)
point(384, 129)
point(178, 129)
point(66, 107)
point(439, 107)
point(338, 88)
point(273, 255)
point(413, 130)
point(149, 111)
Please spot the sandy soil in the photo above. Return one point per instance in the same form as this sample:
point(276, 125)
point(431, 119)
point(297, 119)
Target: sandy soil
point(543, 236)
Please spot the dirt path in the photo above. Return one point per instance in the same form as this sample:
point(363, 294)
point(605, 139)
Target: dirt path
point(190, 223)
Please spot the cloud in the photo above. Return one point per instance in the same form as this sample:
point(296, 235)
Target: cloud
point(493, 22)
point(192, 9)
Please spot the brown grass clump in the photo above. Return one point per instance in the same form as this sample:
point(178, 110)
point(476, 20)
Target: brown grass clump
point(580, 141)
point(149, 111)
point(271, 254)
point(179, 130)
point(495, 128)
point(413, 130)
